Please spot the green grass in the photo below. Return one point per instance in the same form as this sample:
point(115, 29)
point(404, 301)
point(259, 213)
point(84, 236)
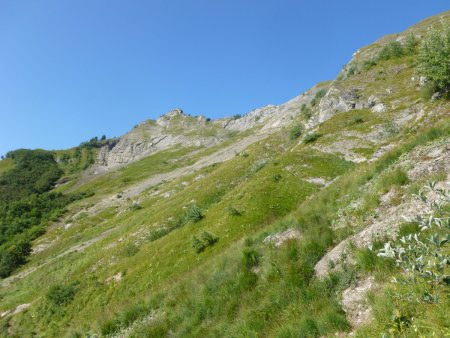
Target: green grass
point(6, 164)
point(236, 286)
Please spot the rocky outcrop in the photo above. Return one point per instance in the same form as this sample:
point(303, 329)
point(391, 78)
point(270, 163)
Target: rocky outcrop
point(171, 129)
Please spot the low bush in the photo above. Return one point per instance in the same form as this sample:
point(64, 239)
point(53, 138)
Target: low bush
point(62, 294)
point(203, 241)
point(319, 94)
point(295, 132)
point(194, 214)
point(276, 177)
point(392, 50)
point(311, 137)
point(233, 211)
point(305, 111)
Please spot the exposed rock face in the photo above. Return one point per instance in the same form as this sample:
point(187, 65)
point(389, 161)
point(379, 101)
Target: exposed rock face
point(355, 305)
point(176, 128)
point(279, 238)
point(153, 136)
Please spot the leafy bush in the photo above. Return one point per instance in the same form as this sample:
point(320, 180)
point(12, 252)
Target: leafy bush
point(369, 64)
point(194, 214)
point(311, 137)
point(392, 50)
point(433, 59)
point(250, 258)
point(425, 254)
point(295, 132)
point(61, 294)
point(355, 120)
point(158, 233)
point(201, 243)
point(321, 93)
point(411, 43)
point(305, 111)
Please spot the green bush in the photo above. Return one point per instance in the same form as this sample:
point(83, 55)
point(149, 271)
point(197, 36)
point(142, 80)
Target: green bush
point(355, 120)
point(250, 258)
point(369, 64)
point(295, 132)
point(305, 111)
point(392, 50)
point(433, 59)
point(61, 294)
point(311, 137)
point(130, 250)
point(321, 93)
point(233, 211)
point(411, 43)
point(158, 233)
point(194, 214)
point(203, 241)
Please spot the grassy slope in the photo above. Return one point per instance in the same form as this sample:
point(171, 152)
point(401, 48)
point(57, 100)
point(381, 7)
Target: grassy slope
point(6, 164)
point(218, 292)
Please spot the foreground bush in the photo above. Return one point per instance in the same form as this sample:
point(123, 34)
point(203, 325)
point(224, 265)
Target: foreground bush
point(433, 60)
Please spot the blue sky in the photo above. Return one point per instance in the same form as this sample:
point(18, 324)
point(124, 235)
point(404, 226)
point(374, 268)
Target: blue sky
point(71, 70)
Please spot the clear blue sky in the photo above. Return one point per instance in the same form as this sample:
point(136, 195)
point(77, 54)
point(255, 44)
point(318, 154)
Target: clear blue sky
point(71, 70)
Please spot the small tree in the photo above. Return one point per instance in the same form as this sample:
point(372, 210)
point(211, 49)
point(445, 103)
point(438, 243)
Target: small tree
point(433, 60)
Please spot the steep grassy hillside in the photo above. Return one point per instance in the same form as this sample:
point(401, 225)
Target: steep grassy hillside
point(271, 231)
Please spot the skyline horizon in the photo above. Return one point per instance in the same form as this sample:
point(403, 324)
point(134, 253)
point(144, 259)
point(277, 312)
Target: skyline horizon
point(60, 86)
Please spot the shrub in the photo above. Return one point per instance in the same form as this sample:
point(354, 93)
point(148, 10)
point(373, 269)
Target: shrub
point(433, 58)
point(424, 255)
point(295, 132)
point(411, 43)
point(194, 214)
point(305, 111)
point(392, 50)
point(369, 64)
point(250, 258)
point(131, 250)
point(201, 243)
point(233, 211)
point(311, 137)
point(398, 177)
point(355, 120)
point(236, 116)
point(321, 93)
point(135, 206)
point(276, 177)
point(61, 294)
point(158, 233)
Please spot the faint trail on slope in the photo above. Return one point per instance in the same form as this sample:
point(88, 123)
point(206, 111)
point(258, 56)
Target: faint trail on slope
point(220, 156)
point(76, 248)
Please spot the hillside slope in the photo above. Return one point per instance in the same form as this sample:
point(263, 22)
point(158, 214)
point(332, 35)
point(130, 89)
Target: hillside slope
point(262, 225)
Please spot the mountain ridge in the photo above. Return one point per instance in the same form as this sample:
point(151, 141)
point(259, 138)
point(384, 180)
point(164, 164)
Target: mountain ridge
point(265, 224)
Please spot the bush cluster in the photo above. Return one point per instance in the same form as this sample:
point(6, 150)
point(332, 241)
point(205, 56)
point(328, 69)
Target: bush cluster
point(203, 241)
